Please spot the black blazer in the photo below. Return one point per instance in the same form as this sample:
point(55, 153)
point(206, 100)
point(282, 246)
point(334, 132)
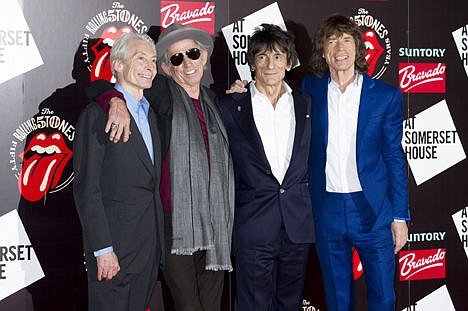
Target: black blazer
point(116, 191)
point(263, 205)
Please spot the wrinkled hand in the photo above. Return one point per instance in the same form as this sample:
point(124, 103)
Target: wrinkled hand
point(400, 234)
point(119, 120)
point(108, 266)
point(237, 86)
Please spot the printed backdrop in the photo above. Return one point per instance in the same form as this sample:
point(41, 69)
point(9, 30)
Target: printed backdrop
point(50, 50)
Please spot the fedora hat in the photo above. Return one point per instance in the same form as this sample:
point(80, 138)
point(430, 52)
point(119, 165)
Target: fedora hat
point(178, 32)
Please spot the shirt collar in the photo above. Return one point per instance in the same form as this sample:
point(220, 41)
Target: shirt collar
point(132, 102)
point(255, 92)
point(356, 82)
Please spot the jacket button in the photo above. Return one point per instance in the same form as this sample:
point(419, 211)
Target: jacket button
point(268, 172)
point(282, 190)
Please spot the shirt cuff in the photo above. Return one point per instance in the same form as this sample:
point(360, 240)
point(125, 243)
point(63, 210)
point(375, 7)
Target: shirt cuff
point(399, 220)
point(105, 98)
point(103, 251)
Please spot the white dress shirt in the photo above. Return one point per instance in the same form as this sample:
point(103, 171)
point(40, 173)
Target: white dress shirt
point(276, 127)
point(343, 108)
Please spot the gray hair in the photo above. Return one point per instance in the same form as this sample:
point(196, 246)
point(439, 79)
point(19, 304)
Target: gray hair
point(165, 58)
point(120, 49)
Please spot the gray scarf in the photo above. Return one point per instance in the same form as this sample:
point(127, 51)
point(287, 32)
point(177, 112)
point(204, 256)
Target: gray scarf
point(202, 191)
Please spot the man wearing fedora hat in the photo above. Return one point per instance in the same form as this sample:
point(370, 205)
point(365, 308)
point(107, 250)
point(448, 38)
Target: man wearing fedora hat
point(197, 179)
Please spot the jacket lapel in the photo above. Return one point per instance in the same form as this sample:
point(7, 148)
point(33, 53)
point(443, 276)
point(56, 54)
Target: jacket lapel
point(138, 144)
point(301, 116)
point(152, 119)
point(243, 115)
point(322, 108)
point(365, 108)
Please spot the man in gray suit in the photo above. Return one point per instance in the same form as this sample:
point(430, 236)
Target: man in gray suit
point(116, 188)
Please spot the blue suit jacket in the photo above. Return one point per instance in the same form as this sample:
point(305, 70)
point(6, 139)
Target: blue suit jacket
point(379, 155)
point(262, 204)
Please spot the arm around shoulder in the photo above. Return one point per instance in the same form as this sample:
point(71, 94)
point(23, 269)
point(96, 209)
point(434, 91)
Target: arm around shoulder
point(97, 88)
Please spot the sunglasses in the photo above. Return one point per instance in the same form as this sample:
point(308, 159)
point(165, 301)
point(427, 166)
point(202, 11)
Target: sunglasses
point(178, 58)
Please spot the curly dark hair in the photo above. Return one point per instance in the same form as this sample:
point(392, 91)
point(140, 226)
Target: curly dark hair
point(268, 38)
point(336, 24)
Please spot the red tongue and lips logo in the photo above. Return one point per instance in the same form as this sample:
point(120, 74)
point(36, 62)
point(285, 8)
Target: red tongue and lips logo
point(44, 160)
point(373, 50)
point(101, 68)
point(357, 265)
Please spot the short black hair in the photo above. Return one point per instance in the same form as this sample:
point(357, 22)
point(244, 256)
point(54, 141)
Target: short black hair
point(270, 37)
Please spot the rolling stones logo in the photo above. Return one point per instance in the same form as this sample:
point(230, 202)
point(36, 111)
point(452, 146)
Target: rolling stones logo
point(101, 67)
point(357, 265)
point(377, 42)
point(373, 50)
point(101, 32)
point(44, 160)
point(40, 155)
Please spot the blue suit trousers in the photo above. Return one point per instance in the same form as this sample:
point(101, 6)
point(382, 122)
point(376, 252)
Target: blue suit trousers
point(347, 220)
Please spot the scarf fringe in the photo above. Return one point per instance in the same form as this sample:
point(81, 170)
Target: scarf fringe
point(190, 251)
point(227, 268)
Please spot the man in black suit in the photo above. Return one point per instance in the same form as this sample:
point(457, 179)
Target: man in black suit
point(116, 188)
point(269, 134)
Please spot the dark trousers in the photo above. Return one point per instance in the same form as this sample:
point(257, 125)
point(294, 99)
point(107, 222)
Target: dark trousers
point(125, 292)
point(271, 276)
point(193, 288)
point(348, 220)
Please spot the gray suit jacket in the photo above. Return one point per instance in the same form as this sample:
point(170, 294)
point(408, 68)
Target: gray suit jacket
point(116, 192)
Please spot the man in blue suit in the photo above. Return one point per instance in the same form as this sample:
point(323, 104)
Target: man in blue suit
point(269, 135)
point(357, 173)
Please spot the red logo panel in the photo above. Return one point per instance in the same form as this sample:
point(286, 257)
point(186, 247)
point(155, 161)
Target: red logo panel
point(422, 264)
point(44, 160)
point(357, 265)
point(194, 14)
point(373, 50)
point(101, 68)
point(422, 77)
